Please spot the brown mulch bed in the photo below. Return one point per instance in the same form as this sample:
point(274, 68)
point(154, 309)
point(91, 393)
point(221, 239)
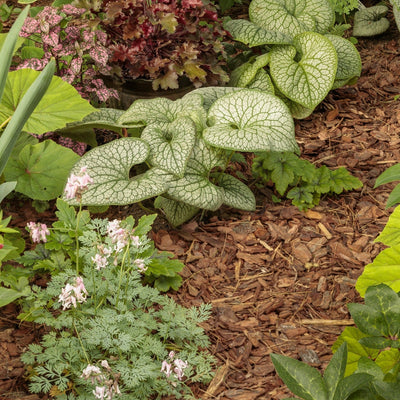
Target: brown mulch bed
point(278, 279)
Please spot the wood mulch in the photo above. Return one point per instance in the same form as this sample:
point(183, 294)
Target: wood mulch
point(279, 279)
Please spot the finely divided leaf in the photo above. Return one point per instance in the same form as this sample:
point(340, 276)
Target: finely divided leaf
point(250, 120)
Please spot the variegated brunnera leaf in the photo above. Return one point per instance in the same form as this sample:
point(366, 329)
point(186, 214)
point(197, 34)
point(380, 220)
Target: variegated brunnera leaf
point(248, 75)
point(176, 212)
point(161, 111)
point(292, 17)
point(109, 166)
point(250, 120)
point(349, 61)
point(305, 72)
point(370, 21)
point(195, 188)
point(171, 146)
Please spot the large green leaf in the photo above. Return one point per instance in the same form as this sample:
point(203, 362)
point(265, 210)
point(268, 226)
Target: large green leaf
point(305, 72)
point(262, 81)
point(351, 384)
point(396, 12)
point(160, 110)
point(195, 188)
point(292, 16)
point(253, 35)
point(303, 380)
point(109, 166)
point(390, 236)
point(176, 212)
point(8, 295)
point(60, 104)
point(171, 146)
point(370, 21)
point(389, 175)
point(249, 74)
point(236, 193)
point(384, 269)
point(349, 61)
point(334, 372)
point(250, 120)
point(380, 315)
point(41, 169)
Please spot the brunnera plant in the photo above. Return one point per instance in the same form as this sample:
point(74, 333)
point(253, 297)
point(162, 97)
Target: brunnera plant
point(164, 40)
point(183, 149)
point(297, 57)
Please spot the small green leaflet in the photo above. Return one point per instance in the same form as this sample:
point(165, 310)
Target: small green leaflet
point(341, 180)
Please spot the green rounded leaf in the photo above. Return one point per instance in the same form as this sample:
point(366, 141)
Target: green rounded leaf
point(349, 61)
point(370, 21)
point(170, 147)
point(306, 80)
point(250, 120)
point(109, 166)
point(253, 35)
point(236, 193)
point(41, 169)
point(60, 104)
point(292, 16)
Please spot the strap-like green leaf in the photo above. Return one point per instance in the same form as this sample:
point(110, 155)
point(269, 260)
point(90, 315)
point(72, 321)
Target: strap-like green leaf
point(334, 372)
point(349, 61)
point(292, 16)
point(250, 120)
point(370, 21)
point(303, 380)
point(351, 384)
point(109, 166)
point(253, 35)
point(170, 147)
point(236, 193)
point(308, 80)
point(176, 212)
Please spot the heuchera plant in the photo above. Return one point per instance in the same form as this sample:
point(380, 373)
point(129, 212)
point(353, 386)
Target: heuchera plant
point(163, 40)
point(80, 52)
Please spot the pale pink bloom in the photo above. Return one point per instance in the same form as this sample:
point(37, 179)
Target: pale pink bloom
point(104, 364)
point(141, 266)
point(166, 368)
point(93, 373)
point(38, 232)
point(76, 184)
point(102, 393)
point(100, 261)
point(179, 367)
point(135, 240)
point(71, 294)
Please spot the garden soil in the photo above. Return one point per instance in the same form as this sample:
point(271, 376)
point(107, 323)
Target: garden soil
point(279, 280)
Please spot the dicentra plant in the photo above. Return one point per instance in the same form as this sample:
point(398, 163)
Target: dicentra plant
point(294, 54)
point(300, 180)
point(108, 334)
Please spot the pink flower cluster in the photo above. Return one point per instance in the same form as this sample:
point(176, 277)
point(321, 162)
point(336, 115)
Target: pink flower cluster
point(120, 236)
point(107, 384)
point(81, 53)
point(77, 184)
point(175, 365)
point(38, 232)
point(73, 294)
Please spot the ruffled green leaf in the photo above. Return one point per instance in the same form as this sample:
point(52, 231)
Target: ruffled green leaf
point(349, 61)
point(176, 212)
point(292, 16)
point(370, 21)
point(170, 147)
point(250, 120)
point(253, 35)
point(109, 166)
point(305, 72)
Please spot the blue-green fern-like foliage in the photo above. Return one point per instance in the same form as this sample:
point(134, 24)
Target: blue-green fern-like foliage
point(301, 60)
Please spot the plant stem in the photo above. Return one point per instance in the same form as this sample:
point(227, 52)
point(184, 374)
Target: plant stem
point(80, 341)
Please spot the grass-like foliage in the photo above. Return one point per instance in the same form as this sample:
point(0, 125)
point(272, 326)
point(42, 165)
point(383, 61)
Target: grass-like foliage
point(109, 334)
point(300, 180)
